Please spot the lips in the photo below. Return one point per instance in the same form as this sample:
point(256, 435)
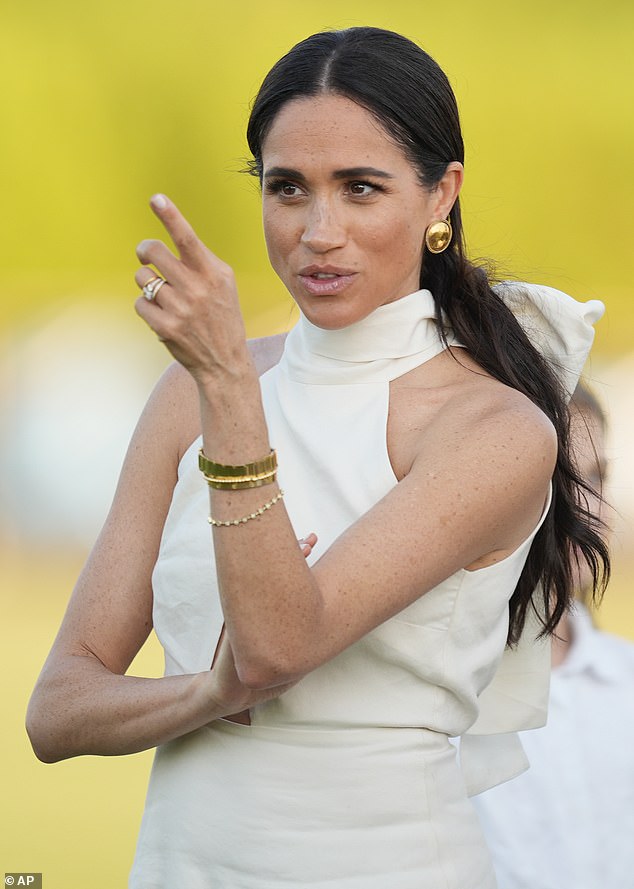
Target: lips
point(325, 280)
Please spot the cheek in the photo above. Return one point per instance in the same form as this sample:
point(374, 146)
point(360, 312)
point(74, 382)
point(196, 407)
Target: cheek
point(414, 237)
point(398, 228)
point(278, 234)
point(399, 240)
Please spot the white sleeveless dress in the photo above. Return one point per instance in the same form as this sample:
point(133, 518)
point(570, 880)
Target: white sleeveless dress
point(348, 780)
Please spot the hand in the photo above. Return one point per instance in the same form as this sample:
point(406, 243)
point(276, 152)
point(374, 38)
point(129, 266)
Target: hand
point(307, 543)
point(196, 313)
point(230, 696)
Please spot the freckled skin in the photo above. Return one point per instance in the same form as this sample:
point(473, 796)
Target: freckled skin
point(379, 235)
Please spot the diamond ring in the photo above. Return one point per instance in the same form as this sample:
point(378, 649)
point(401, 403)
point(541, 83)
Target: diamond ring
point(152, 287)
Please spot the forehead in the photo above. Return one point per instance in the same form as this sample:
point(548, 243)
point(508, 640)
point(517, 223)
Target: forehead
point(331, 129)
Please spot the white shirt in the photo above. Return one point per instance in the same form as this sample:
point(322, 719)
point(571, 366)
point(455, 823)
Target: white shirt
point(568, 823)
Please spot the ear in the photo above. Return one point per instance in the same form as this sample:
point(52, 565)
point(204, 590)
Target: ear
point(447, 189)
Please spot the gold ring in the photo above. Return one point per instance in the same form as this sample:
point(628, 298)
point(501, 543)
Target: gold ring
point(157, 287)
point(151, 287)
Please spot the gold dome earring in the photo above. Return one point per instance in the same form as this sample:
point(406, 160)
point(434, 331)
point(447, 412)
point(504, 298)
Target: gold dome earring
point(438, 236)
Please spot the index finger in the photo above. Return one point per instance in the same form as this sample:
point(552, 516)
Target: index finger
point(190, 248)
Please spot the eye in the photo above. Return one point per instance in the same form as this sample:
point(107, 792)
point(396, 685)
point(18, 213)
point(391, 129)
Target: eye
point(361, 188)
point(283, 188)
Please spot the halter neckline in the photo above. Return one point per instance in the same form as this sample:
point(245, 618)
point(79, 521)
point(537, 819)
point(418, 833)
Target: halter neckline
point(388, 342)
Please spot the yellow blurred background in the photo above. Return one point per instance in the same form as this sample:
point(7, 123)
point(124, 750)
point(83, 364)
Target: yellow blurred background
point(104, 104)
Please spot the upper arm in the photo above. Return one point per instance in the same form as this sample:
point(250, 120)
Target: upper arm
point(474, 490)
point(110, 612)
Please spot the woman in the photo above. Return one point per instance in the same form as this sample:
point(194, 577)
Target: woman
point(418, 433)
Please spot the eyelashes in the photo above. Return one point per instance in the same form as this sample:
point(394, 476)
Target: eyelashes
point(365, 183)
point(277, 186)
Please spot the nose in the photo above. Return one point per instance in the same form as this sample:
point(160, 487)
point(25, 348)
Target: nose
point(324, 227)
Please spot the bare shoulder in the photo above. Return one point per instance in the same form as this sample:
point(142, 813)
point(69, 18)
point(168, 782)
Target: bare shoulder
point(173, 407)
point(451, 404)
point(491, 398)
point(512, 419)
point(503, 424)
point(484, 448)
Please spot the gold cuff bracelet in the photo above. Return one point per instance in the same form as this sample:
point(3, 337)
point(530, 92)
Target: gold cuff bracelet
point(228, 477)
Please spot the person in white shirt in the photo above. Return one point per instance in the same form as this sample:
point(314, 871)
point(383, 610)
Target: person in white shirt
point(568, 822)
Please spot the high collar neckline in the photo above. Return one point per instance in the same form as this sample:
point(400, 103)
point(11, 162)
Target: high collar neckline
point(388, 342)
point(393, 330)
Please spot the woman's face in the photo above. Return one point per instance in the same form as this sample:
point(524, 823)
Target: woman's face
point(344, 211)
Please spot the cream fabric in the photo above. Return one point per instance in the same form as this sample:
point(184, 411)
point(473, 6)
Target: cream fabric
point(559, 326)
point(440, 664)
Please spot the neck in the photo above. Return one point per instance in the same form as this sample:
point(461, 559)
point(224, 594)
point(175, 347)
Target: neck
point(384, 345)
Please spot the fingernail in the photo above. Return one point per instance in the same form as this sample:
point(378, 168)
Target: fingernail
point(158, 201)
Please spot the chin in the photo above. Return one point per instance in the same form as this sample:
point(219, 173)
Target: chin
point(332, 313)
point(333, 320)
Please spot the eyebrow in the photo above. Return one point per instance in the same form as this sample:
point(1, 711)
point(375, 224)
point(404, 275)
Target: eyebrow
point(348, 173)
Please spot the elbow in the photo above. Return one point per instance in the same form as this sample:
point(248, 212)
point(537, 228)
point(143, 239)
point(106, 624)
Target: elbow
point(263, 674)
point(41, 734)
point(44, 754)
point(40, 743)
point(275, 660)
point(259, 680)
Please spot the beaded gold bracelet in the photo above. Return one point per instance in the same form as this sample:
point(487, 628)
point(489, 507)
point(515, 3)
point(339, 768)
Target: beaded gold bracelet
point(229, 477)
point(247, 518)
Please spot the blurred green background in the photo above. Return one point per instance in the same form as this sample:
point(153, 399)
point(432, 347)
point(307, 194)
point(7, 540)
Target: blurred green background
point(104, 104)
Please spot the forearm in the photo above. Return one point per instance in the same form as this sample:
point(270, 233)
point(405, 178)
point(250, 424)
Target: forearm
point(80, 707)
point(272, 605)
point(270, 602)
